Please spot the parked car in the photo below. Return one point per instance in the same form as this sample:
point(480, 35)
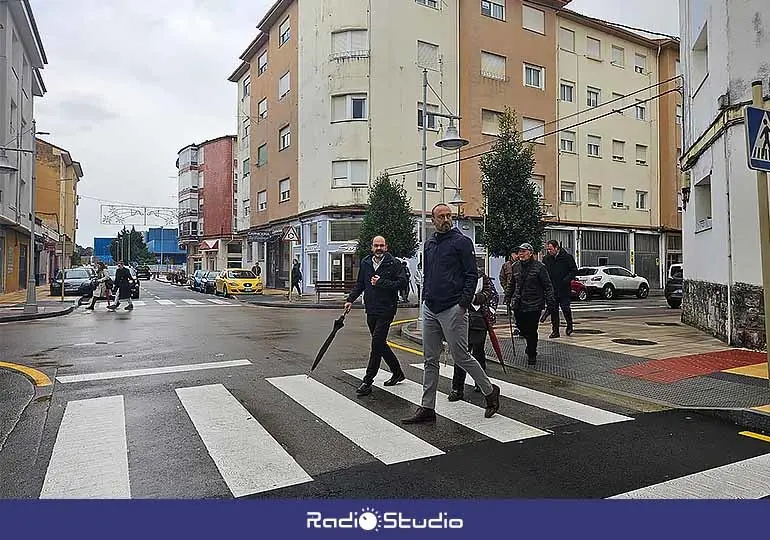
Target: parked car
point(195, 279)
point(134, 281)
point(143, 272)
point(208, 282)
point(674, 290)
point(237, 281)
point(78, 281)
point(612, 281)
point(579, 290)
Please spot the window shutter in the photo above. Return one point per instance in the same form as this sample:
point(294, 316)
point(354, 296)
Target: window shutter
point(340, 42)
point(339, 108)
point(359, 173)
point(427, 55)
point(618, 148)
point(359, 40)
point(493, 65)
point(594, 47)
point(533, 19)
point(490, 123)
point(534, 130)
point(340, 173)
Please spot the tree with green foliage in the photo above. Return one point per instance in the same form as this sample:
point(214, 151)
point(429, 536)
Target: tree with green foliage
point(513, 212)
point(129, 246)
point(389, 214)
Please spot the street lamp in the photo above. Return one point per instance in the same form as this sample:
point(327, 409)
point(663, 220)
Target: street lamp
point(7, 167)
point(450, 141)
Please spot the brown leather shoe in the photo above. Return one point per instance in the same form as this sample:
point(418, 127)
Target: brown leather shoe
point(493, 402)
point(422, 415)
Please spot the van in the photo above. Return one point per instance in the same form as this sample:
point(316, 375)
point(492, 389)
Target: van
point(674, 286)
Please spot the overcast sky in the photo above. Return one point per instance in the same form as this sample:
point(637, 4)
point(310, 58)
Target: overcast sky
point(131, 82)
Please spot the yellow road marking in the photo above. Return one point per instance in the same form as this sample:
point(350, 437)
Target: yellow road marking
point(762, 408)
point(39, 378)
point(405, 349)
point(396, 323)
point(758, 371)
point(754, 435)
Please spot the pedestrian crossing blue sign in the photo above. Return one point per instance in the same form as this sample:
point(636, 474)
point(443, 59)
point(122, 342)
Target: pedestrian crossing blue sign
point(758, 138)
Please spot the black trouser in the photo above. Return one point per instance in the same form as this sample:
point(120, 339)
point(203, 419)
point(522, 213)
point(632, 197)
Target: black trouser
point(476, 342)
point(527, 322)
point(378, 327)
point(563, 302)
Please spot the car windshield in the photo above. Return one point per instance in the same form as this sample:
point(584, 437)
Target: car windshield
point(76, 273)
point(677, 272)
point(586, 271)
point(240, 274)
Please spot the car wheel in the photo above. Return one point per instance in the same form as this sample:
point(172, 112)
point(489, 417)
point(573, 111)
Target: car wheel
point(583, 295)
point(643, 291)
point(674, 303)
point(224, 291)
point(608, 292)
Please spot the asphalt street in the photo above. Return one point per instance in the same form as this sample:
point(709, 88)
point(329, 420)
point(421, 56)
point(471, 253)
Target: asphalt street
point(192, 396)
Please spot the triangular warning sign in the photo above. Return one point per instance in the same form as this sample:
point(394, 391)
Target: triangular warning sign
point(290, 235)
point(761, 150)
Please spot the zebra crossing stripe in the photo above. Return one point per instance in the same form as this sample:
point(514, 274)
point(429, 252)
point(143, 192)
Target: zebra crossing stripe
point(90, 454)
point(499, 427)
point(382, 439)
point(249, 459)
point(565, 407)
point(139, 303)
point(165, 302)
point(217, 301)
point(192, 302)
point(746, 479)
point(119, 374)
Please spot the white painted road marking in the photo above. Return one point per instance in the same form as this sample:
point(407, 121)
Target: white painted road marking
point(90, 455)
point(217, 301)
point(150, 371)
point(499, 427)
point(382, 439)
point(139, 303)
point(249, 459)
point(747, 479)
point(565, 407)
point(165, 302)
point(192, 302)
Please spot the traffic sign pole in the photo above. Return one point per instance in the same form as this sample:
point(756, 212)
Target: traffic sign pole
point(764, 225)
point(290, 236)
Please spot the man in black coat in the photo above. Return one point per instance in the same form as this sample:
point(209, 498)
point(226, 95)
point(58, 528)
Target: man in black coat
point(123, 282)
point(532, 292)
point(380, 278)
point(562, 270)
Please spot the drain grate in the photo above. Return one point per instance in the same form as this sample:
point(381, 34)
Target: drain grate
point(587, 331)
point(626, 341)
point(662, 324)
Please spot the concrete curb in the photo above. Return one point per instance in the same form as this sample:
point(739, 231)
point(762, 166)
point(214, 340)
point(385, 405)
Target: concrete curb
point(287, 305)
point(31, 317)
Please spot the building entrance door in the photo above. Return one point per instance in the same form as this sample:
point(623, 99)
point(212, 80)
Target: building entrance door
point(344, 266)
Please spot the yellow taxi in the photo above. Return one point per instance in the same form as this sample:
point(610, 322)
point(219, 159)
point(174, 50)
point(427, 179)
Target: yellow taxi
point(237, 281)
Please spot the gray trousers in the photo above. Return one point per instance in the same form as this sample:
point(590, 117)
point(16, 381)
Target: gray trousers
point(451, 326)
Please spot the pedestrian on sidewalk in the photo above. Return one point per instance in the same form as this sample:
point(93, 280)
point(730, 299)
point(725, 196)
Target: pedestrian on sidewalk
point(506, 281)
point(450, 280)
point(102, 289)
point(405, 291)
point(482, 310)
point(296, 279)
point(562, 269)
point(532, 292)
point(123, 282)
point(380, 278)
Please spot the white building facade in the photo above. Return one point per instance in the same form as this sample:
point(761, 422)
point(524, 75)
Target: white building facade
point(724, 49)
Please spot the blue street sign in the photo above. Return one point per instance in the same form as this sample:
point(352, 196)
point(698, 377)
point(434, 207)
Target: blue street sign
point(758, 138)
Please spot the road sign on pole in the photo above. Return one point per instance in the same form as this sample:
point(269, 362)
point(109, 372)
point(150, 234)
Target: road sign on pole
point(757, 122)
point(290, 235)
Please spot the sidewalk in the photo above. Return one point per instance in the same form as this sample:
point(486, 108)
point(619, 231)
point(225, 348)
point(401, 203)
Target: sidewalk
point(657, 359)
point(12, 305)
point(277, 298)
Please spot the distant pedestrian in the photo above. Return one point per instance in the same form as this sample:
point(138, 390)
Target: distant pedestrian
point(380, 278)
point(405, 291)
point(450, 280)
point(123, 281)
point(102, 289)
point(532, 292)
point(257, 269)
point(296, 279)
point(562, 270)
point(506, 281)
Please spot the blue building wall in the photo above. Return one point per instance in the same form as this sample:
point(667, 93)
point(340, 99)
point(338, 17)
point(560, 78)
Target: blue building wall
point(162, 240)
point(102, 250)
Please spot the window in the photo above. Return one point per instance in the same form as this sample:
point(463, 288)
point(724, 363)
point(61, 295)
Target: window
point(594, 146)
point(492, 66)
point(350, 173)
point(246, 167)
point(641, 154)
point(567, 193)
point(312, 262)
point(493, 9)
point(284, 32)
point(427, 55)
point(533, 130)
point(429, 3)
point(640, 63)
point(312, 233)
point(539, 183)
point(566, 39)
point(284, 85)
point(349, 107)
point(641, 111)
point(431, 119)
point(618, 56)
point(593, 48)
point(262, 109)
point(490, 122)
point(567, 91)
point(533, 19)
point(262, 155)
point(284, 190)
point(246, 87)
point(702, 195)
point(641, 200)
point(594, 195)
point(246, 207)
point(431, 179)
point(284, 138)
point(593, 97)
point(618, 197)
point(679, 115)
point(344, 231)
point(262, 63)
point(350, 44)
point(246, 129)
point(699, 64)
point(567, 142)
point(534, 76)
point(262, 201)
point(618, 150)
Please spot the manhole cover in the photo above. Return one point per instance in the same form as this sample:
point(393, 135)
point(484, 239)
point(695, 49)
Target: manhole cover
point(663, 324)
point(587, 331)
point(624, 341)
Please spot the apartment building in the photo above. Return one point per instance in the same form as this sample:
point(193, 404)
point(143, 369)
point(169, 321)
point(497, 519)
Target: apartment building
point(23, 56)
point(242, 77)
point(207, 189)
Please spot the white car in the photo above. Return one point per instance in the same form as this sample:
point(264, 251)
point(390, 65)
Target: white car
point(612, 281)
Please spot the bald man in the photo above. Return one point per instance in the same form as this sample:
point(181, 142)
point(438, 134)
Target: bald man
point(380, 278)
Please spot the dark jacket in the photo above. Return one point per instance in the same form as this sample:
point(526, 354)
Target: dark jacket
point(533, 287)
point(380, 299)
point(562, 270)
point(487, 299)
point(123, 282)
point(450, 271)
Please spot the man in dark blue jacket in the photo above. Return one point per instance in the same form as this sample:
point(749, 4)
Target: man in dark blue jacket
point(380, 278)
point(450, 282)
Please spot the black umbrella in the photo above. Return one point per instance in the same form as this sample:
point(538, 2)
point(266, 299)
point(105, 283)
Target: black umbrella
point(513, 340)
point(338, 323)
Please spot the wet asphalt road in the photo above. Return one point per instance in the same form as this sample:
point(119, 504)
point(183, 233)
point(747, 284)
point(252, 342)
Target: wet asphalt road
point(168, 457)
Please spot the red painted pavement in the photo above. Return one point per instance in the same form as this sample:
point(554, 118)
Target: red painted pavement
point(671, 370)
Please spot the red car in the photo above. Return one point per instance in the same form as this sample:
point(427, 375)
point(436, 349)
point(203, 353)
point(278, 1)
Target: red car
point(579, 290)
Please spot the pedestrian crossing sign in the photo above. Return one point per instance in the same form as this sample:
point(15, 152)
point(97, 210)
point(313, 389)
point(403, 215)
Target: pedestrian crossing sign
point(290, 235)
point(758, 138)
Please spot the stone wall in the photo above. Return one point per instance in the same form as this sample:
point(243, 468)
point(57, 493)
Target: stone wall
point(748, 316)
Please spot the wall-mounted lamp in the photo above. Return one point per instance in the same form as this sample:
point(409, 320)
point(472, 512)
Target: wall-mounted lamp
point(685, 197)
